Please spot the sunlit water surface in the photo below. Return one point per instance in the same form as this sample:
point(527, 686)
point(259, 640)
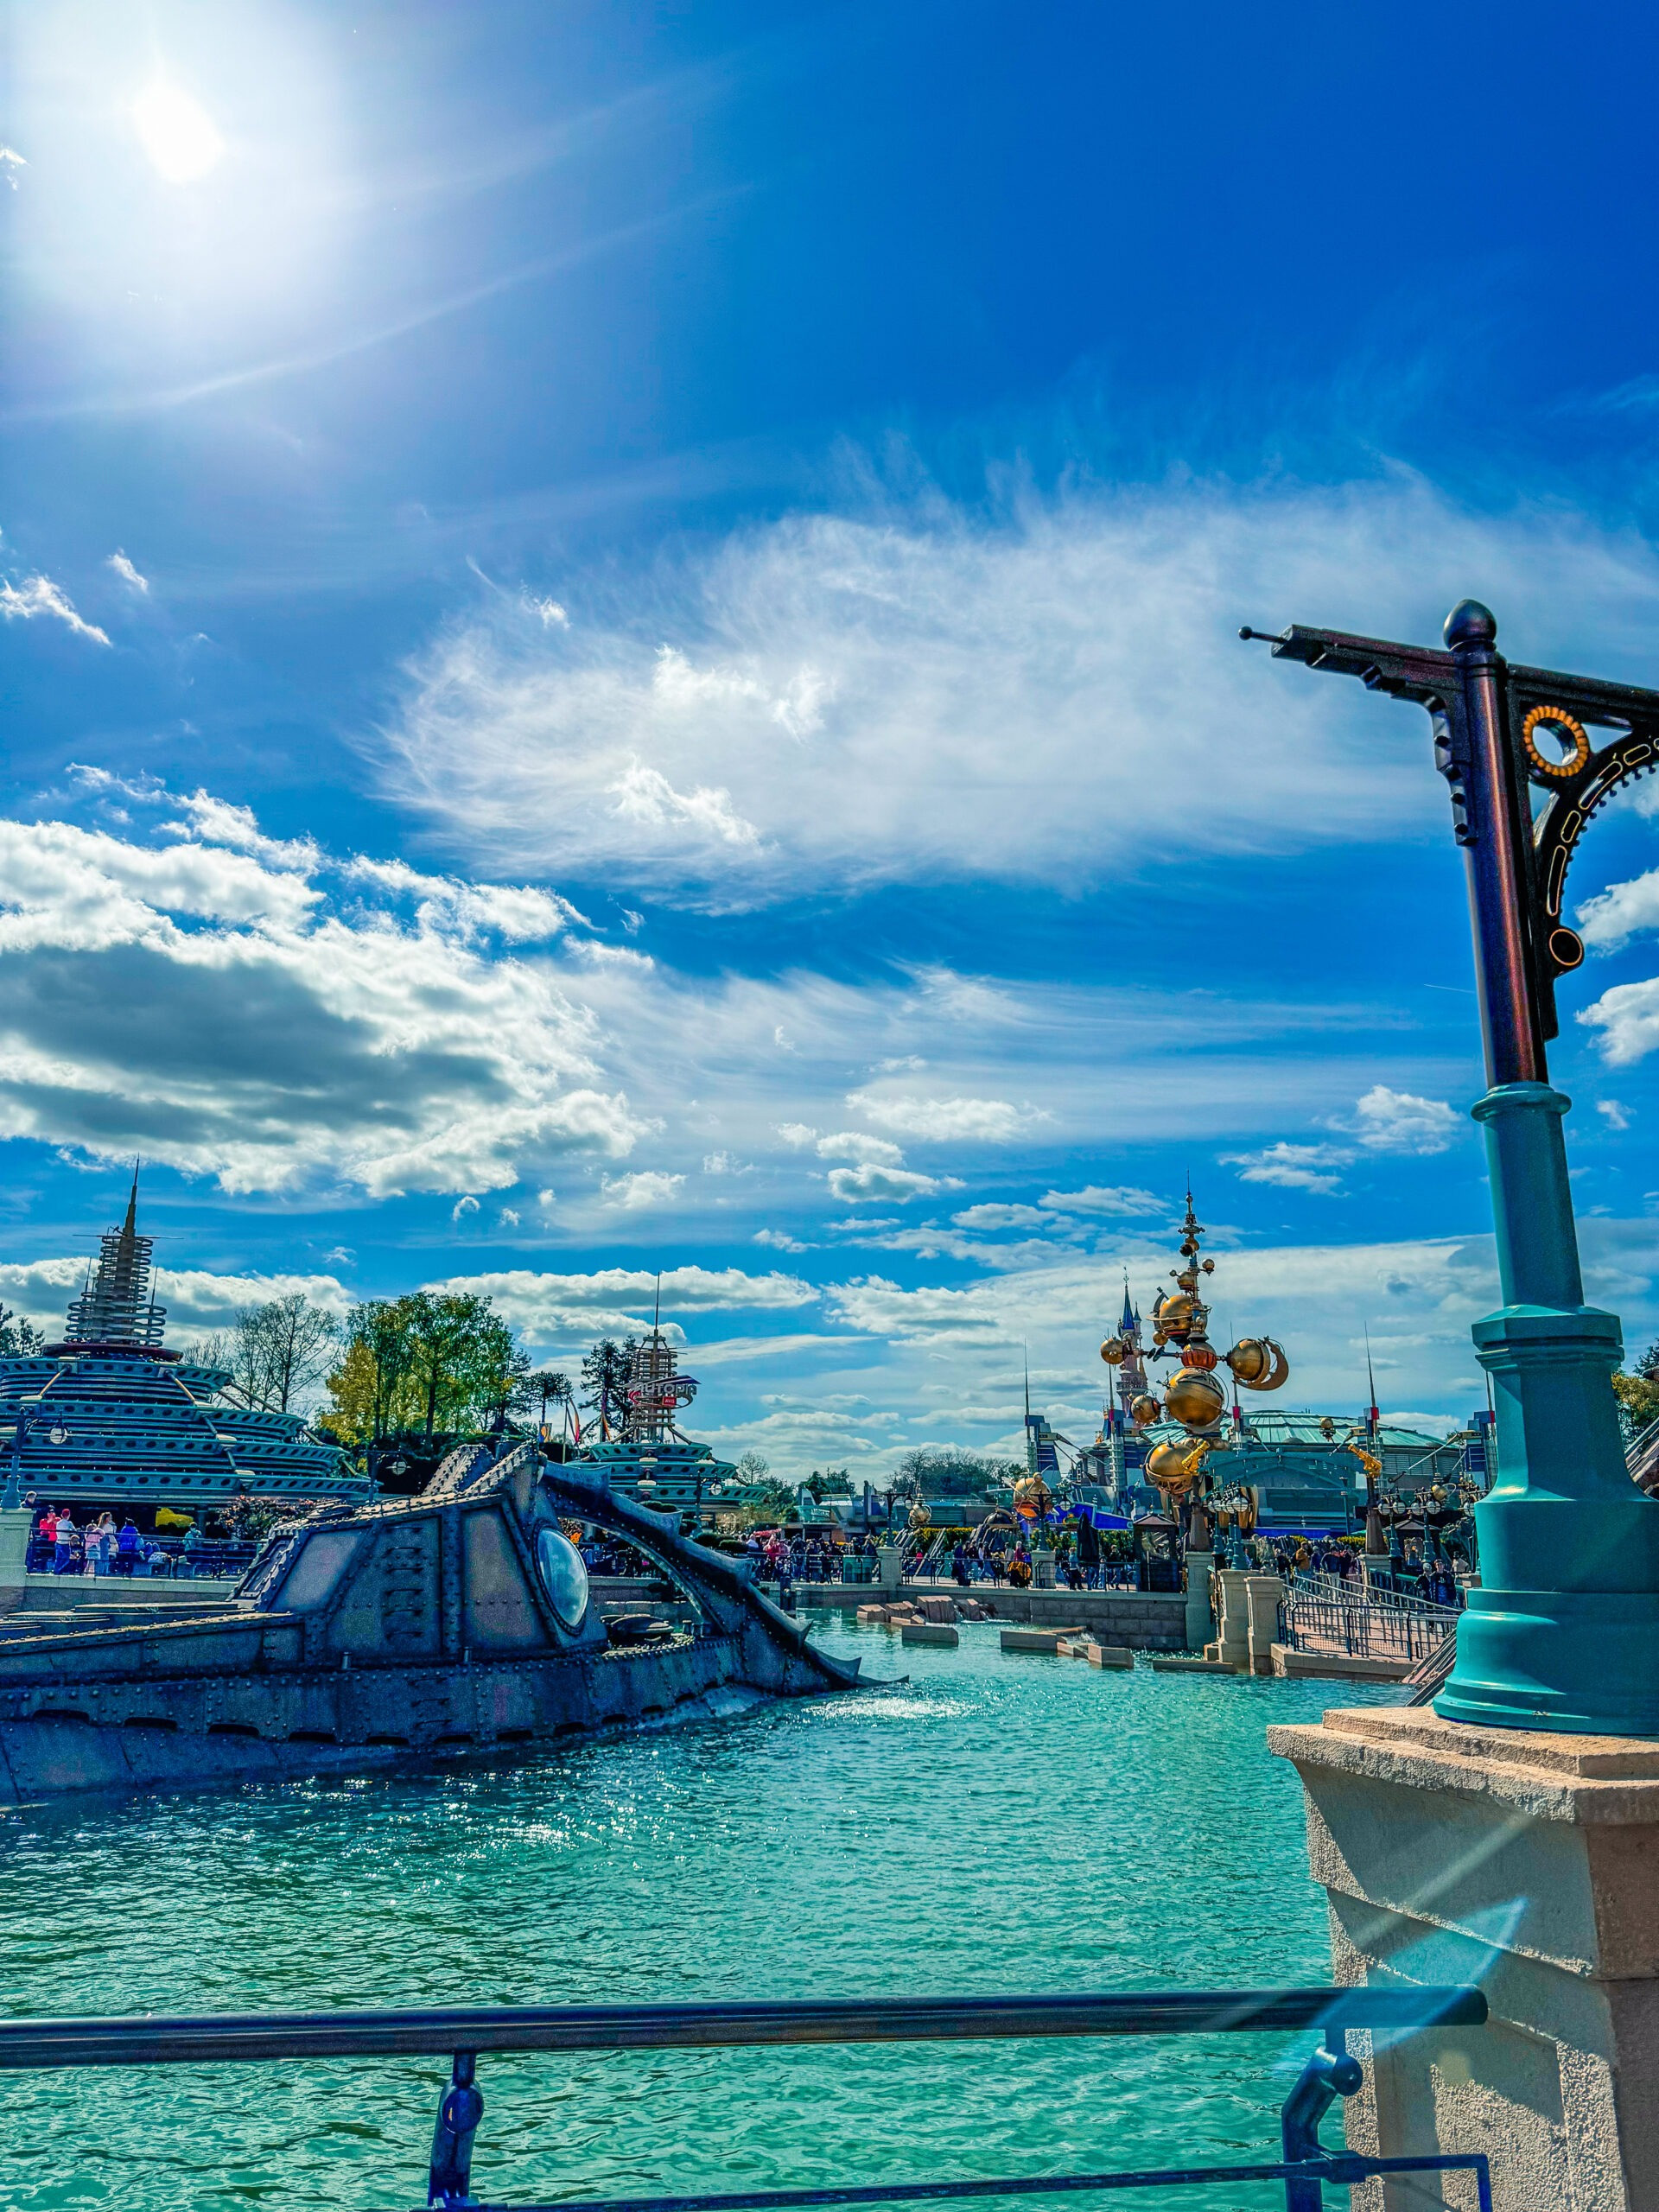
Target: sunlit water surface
point(1004, 1822)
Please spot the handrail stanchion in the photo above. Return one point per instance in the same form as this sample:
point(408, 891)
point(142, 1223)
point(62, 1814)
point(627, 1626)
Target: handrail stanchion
point(450, 2180)
point(1326, 2076)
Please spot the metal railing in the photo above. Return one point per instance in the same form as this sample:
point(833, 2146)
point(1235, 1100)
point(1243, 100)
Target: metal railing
point(1324, 1610)
point(1643, 1446)
point(1305, 2166)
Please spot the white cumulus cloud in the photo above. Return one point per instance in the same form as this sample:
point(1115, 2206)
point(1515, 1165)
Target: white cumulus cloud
point(938, 1121)
point(860, 1186)
point(252, 1026)
point(634, 1192)
point(1293, 1167)
point(1396, 1120)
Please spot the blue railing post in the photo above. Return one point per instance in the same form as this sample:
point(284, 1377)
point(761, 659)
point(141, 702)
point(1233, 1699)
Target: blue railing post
point(451, 2178)
point(1326, 2076)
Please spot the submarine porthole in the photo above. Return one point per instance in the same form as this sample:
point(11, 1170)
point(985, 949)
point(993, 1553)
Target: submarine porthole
point(564, 1577)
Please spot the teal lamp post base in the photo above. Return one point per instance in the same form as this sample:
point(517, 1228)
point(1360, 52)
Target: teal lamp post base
point(1563, 1633)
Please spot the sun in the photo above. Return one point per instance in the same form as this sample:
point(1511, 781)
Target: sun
point(176, 132)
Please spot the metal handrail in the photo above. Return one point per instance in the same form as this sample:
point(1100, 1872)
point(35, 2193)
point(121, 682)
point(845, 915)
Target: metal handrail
point(1336, 1591)
point(1640, 1445)
point(1304, 2167)
point(224, 2037)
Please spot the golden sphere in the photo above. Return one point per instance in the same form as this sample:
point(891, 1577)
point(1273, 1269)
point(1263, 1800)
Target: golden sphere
point(1167, 1467)
point(1195, 1398)
point(1248, 1361)
point(1113, 1350)
point(1143, 1411)
point(1174, 1316)
point(1252, 1360)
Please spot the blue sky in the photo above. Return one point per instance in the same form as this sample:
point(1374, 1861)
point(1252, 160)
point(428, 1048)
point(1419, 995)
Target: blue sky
point(619, 651)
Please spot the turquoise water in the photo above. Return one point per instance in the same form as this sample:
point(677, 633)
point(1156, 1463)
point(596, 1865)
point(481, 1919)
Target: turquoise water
point(1004, 1822)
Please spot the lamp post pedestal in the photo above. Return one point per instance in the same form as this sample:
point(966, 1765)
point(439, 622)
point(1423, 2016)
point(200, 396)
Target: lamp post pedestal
point(1563, 1632)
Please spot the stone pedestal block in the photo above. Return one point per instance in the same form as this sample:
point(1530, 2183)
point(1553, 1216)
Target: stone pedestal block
point(16, 1521)
point(1042, 1568)
point(1264, 1595)
point(1526, 1861)
point(890, 1565)
point(1232, 1643)
point(1200, 1610)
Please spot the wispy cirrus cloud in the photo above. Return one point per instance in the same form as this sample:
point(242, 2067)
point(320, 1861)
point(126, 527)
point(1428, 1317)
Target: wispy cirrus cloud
point(915, 692)
point(38, 595)
point(128, 573)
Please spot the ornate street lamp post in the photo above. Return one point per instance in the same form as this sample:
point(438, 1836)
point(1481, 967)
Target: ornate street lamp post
point(1564, 1632)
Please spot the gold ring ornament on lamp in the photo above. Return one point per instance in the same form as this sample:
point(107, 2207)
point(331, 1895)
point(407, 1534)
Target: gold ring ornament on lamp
point(1565, 727)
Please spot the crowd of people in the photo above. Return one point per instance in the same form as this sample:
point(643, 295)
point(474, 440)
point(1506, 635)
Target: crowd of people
point(808, 1557)
point(58, 1545)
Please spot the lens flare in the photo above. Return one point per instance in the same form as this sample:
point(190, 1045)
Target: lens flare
point(176, 132)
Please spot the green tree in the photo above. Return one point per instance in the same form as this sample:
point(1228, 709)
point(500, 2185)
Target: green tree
point(371, 1392)
point(19, 1340)
point(462, 1361)
point(951, 1471)
point(431, 1362)
point(1638, 1390)
point(546, 1387)
point(605, 1372)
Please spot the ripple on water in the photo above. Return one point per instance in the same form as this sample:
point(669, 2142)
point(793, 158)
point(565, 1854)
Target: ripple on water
point(1000, 1821)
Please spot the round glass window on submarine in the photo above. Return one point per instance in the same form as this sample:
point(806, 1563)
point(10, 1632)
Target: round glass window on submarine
point(564, 1577)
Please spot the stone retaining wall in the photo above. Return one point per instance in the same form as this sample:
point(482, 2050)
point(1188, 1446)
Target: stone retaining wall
point(1144, 1621)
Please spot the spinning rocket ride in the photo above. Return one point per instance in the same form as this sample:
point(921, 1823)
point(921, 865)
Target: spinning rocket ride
point(1195, 1395)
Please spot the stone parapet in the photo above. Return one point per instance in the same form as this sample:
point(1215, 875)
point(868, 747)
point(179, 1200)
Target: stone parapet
point(1523, 1861)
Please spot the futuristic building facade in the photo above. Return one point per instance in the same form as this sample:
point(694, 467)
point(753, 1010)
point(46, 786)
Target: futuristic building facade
point(110, 1416)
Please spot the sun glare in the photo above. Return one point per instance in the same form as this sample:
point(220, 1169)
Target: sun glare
point(177, 133)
